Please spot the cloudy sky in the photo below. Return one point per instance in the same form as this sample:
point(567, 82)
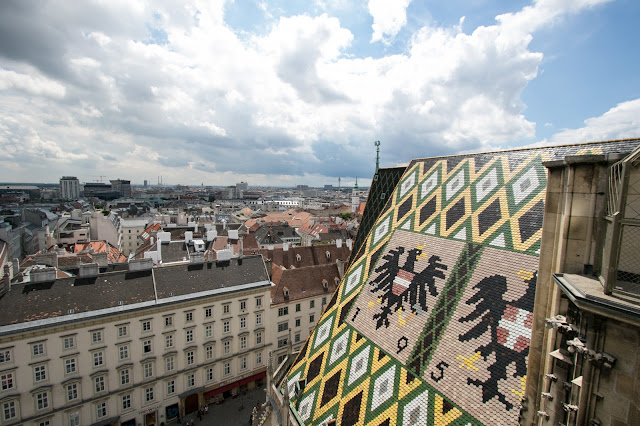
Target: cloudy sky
point(277, 92)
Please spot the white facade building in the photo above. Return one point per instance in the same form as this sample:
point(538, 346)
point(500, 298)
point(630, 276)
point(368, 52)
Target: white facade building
point(69, 188)
point(142, 346)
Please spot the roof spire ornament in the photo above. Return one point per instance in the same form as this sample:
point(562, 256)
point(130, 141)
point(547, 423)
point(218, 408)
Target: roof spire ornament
point(377, 144)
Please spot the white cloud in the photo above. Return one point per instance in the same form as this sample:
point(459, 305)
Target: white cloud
point(289, 103)
point(620, 122)
point(34, 84)
point(389, 16)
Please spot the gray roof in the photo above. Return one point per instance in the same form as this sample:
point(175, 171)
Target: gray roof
point(194, 278)
point(44, 303)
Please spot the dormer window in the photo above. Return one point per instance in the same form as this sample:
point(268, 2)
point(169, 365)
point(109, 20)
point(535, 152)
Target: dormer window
point(325, 284)
point(286, 292)
point(327, 254)
point(298, 257)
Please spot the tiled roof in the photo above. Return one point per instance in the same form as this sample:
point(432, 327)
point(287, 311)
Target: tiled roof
point(37, 301)
point(291, 217)
point(113, 254)
point(303, 256)
point(209, 276)
point(303, 283)
point(432, 321)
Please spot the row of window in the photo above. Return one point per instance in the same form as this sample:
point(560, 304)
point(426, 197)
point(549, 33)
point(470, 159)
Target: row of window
point(68, 342)
point(42, 399)
point(7, 379)
point(284, 310)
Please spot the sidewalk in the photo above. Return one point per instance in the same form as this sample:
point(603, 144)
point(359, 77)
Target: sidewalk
point(232, 412)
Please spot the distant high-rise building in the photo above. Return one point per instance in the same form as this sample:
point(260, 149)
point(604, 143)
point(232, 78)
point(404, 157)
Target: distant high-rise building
point(69, 188)
point(122, 186)
point(242, 186)
point(146, 183)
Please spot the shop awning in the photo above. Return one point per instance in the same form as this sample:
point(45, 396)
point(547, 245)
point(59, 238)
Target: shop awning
point(234, 385)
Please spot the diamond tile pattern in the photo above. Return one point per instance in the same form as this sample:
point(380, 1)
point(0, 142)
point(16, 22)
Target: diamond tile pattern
point(432, 321)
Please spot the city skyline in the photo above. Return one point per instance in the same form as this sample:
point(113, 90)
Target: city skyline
point(283, 93)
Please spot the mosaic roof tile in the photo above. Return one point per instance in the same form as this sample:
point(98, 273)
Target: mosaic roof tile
point(432, 320)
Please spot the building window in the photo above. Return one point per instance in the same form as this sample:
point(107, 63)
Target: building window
point(297, 322)
point(68, 342)
point(283, 326)
point(72, 391)
point(168, 363)
point(226, 308)
point(227, 368)
point(122, 331)
point(37, 349)
point(146, 347)
point(74, 419)
point(171, 387)
point(208, 331)
point(226, 327)
point(243, 342)
point(209, 352)
point(148, 370)
point(98, 359)
point(243, 322)
point(208, 312)
point(40, 373)
point(9, 410)
point(5, 356)
point(96, 336)
point(99, 384)
point(259, 358)
point(168, 321)
point(190, 358)
point(188, 317)
point(258, 301)
point(283, 311)
point(126, 402)
point(123, 352)
point(324, 301)
point(7, 381)
point(297, 307)
point(281, 358)
point(124, 377)
point(282, 343)
point(258, 319)
point(312, 304)
point(297, 337)
point(243, 363)
point(243, 305)
point(168, 341)
point(146, 326)
point(42, 400)
point(258, 338)
point(189, 336)
point(227, 347)
point(69, 365)
point(209, 374)
point(312, 318)
point(101, 410)
point(191, 380)
point(148, 394)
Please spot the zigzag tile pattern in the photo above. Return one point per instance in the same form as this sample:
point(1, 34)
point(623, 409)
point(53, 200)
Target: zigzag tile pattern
point(431, 323)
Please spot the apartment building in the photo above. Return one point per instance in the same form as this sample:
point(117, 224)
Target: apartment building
point(142, 346)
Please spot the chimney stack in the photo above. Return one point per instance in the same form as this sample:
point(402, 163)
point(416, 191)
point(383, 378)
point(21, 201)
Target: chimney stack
point(140, 264)
point(41, 275)
point(88, 270)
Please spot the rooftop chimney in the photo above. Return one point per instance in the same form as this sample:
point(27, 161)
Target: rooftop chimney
point(350, 243)
point(196, 258)
point(49, 259)
point(339, 243)
point(101, 259)
point(140, 265)
point(285, 246)
point(16, 266)
point(87, 270)
point(42, 275)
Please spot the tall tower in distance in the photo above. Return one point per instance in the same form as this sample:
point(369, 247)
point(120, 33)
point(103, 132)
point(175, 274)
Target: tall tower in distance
point(69, 188)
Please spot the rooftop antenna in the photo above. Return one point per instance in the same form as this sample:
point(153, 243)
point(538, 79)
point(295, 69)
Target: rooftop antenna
point(339, 183)
point(377, 144)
